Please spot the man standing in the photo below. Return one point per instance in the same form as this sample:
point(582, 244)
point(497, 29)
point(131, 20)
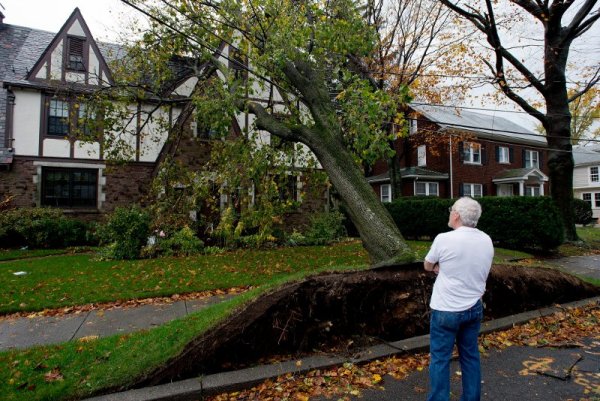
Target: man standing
point(462, 259)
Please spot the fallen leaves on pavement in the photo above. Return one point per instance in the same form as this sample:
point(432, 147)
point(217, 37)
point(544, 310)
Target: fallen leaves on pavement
point(564, 327)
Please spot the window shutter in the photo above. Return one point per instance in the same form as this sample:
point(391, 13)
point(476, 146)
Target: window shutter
point(497, 153)
point(511, 154)
point(461, 190)
point(483, 189)
point(540, 159)
point(524, 155)
point(461, 152)
point(483, 154)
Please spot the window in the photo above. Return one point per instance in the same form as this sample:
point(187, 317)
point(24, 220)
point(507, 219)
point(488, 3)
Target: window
point(594, 174)
point(58, 117)
point(75, 60)
point(532, 159)
point(472, 153)
point(86, 119)
point(288, 188)
point(238, 63)
point(472, 190)
point(426, 188)
point(588, 198)
point(65, 187)
point(413, 127)
point(422, 155)
point(503, 155)
point(532, 190)
point(386, 193)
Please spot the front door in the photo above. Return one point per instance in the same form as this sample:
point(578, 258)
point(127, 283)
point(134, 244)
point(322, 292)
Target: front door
point(505, 190)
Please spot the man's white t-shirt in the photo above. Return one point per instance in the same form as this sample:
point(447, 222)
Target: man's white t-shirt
point(465, 257)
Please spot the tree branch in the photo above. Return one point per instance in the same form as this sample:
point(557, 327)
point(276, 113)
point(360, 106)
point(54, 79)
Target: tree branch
point(267, 122)
point(592, 82)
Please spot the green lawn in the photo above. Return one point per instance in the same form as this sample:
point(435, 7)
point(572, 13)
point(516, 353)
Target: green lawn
point(66, 280)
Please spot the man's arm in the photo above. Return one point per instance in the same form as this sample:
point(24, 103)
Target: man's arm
point(428, 265)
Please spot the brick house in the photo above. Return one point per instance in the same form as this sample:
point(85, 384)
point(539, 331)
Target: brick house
point(450, 153)
point(44, 79)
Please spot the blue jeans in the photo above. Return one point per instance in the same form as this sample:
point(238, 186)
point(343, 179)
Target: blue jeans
point(445, 329)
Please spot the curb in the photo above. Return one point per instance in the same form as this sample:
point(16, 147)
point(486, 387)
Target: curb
point(197, 388)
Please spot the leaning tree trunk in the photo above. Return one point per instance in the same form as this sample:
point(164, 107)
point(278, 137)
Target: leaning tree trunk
point(380, 235)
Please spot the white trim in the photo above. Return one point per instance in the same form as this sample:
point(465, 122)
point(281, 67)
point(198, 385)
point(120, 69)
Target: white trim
point(68, 164)
point(388, 197)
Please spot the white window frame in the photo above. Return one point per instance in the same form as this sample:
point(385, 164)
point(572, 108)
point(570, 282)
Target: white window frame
point(413, 126)
point(471, 190)
point(529, 159)
point(503, 155)
point(385, 196)
point(597, 198)
point(422, 156)
point(431, 188)
point(594, 174)
point(532, 190)
point(587, 197)
point(472, 153)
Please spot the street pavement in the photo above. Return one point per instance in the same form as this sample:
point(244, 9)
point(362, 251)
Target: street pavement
point(513, 374)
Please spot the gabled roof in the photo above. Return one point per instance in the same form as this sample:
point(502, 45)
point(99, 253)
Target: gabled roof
point(586, 155)
point(520, 174)
point(410, 172)
point(21, 48)
point(482, 125)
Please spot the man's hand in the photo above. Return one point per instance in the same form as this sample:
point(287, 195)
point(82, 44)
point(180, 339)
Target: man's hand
point(431, 267)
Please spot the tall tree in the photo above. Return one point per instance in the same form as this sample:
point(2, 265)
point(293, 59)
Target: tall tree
point(306, 51)
point(415, 41)
point(562, 22)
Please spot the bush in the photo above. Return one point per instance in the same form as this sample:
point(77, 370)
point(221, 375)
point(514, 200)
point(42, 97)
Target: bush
point(183, 243)
point(582, 211)
point(323, 229)
point(525, 223)
point(41, 228)
point(125, 233)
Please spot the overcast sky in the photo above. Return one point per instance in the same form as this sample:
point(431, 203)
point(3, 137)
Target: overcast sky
point(104, 17)
point(108, 18)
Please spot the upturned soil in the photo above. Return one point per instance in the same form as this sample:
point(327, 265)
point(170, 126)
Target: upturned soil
point(325, 311)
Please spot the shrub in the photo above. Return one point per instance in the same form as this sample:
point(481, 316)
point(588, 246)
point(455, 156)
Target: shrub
point(182, 243)
point(526, 223)
point(125, 233)
point(325, 228)
point(41, 228)
point(582, 211)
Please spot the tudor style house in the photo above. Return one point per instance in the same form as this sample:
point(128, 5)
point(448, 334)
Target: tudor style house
point(44, 81)
point(451, 153)
point(586, 176)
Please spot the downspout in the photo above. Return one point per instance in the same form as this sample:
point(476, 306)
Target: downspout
point(451, 177)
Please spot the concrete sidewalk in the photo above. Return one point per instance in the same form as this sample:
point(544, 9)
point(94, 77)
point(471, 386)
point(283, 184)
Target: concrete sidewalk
point(28, 332)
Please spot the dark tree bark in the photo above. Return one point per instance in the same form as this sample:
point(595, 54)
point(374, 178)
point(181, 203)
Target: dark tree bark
point(552, 86)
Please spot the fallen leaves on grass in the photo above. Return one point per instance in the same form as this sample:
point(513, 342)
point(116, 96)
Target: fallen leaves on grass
point(131, 303)
point(53, 376)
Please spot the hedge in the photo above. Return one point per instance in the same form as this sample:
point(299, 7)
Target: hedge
point(524, 223)
point(40, 228)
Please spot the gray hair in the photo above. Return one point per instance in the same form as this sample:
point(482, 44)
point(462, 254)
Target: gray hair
point(469, 211)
